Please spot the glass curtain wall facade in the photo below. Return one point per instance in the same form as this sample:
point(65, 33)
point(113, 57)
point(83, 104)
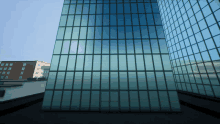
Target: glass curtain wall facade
point(193, 39)
point(111, 56)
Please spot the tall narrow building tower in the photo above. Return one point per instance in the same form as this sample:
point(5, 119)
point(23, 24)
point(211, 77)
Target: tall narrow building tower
point(111, 55)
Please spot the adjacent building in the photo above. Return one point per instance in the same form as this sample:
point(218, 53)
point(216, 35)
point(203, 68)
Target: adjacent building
point(111, 55)
point(21, 70)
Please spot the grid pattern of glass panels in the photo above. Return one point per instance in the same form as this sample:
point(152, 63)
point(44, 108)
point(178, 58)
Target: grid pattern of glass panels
point(193, 39)
point(111, 56)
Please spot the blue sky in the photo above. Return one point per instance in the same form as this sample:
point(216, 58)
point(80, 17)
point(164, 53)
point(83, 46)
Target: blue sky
point(28, 29)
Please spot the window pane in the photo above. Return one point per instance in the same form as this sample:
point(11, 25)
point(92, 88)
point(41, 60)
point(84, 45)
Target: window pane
point(114, 80)
point(154, 101)
point(160, 33)
point(51, 80)
point(91, 20)
point(56, 100)
point(138, 46)
point(105, 47)
point(135, 20)
point(140, 62)
point(92, 8)
point(166, 62)
point(73, 46)
point(130, 47)
point(79, 9)
point(83, 31)
point(63, 20)
point(99, 9)
point(85, 100)
point(148, 62)
point(105, 62)
point(148, 8)
point(154, 45)
point(122, 62)
point(79, 63)
point(120, 19)
point(170, 81)
point(123, 80)
point(121, 45)
point(90, 34)
point(133, 7)
point(96, 62)
point(160, 81)
point(105, 32)
point(127, 19)
point(124, 103)
point(105, 101)
point(113, 47)
point(89, 47)
point(121, 34)
point(95, 101)
point(60, 80)
point(157, 62)
point(106, 20)
point(57, 47)
point(66, 45)
point(75, 34)
point(75, 100)
point(47, 100)
point(119, 8)
point(163, 47)
point(114, 62)
point(72, 9)
point(54, 63)
point(63, 63)
point(136, 31)
point(88, 63)
point(69, 80)
point(106, 8)
point(152, 32)
point(68, 33)
point(98, 20)
point(131, 62)
point(113, 32)
point(113, 8)
point(81, 47)
point(126, 8)
point(86, 9)
point(60, 33)
point(132, 81)
point(71, 63)
point(84, 20)
point(144, 32)
point(151, 81)
point(134, 102)
point(142, 19)
point(97, 47)
point(96, 80)
point(65, 9)
point(77, 20)
point(105, 80)
point(142, 81)
point(77, 81)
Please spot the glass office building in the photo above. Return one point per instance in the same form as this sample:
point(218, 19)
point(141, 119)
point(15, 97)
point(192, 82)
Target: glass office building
point(111, 55)
point(193, 39)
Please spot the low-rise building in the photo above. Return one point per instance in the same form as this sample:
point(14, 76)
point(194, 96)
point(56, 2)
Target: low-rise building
point(15, 70)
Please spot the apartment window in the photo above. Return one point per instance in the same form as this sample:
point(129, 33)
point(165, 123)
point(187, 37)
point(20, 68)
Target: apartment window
point(24, 64)
point(0, 68)
point(9, 68)
point(38, 64)
point(23, 68)
point(2, 64)
point(22, 73)
point(6, 77)
point(6, 64)
point(5, 68)
point(3, 72)
point(11, 64)
point(8, 72)
point(2, 77)
point(20, 77)
point(36, 72)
